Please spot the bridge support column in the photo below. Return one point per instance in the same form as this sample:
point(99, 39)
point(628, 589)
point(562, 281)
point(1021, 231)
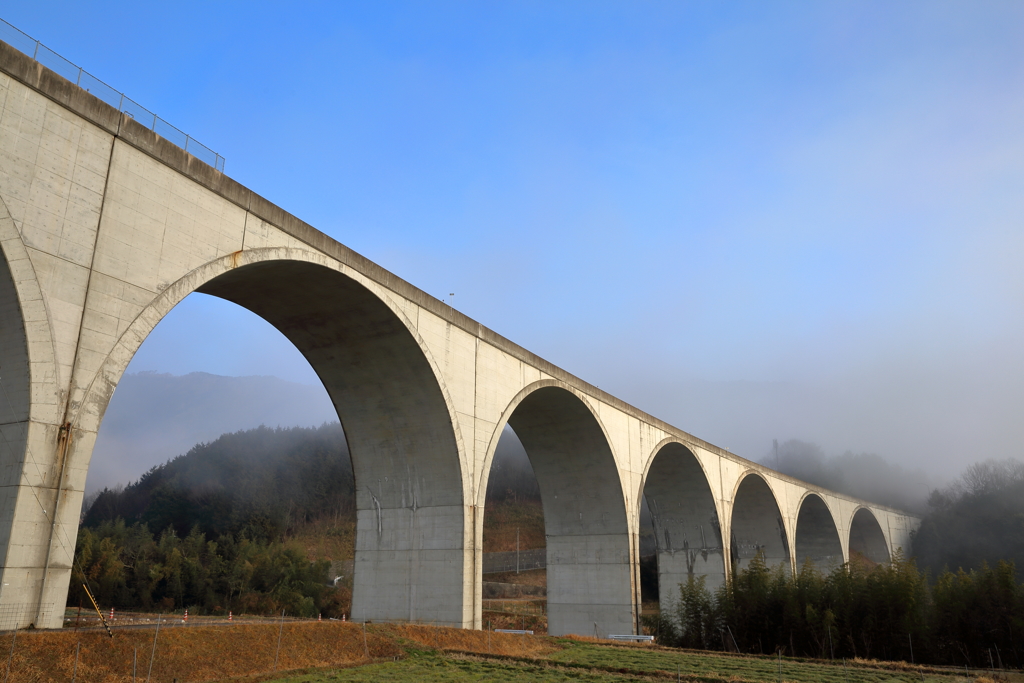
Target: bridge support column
point(410, 566)
point(587, 576)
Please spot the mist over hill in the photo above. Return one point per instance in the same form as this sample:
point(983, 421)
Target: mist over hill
point(867, 476)
point(154, 417)
point(266, 484)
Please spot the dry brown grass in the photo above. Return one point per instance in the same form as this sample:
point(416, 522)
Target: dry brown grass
point(199, 653)
point(463, 640)
point(326, 539)
point(538, 623)
point(503, 517)
point(527, 577)
point(194, 653)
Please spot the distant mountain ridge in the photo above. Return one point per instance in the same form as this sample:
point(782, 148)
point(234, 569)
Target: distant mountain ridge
point(154, 417)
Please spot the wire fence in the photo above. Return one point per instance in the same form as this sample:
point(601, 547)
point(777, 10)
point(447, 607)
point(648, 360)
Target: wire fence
point(534, 607)
point(87, 619)
point(13, 615)
point(85, 80)
point(514, 560)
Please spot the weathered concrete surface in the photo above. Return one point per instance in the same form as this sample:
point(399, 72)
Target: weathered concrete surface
point(105, 226)
point(687, 530)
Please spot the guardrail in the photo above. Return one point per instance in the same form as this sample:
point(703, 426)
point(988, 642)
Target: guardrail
point(54, 62)
point(635, 639)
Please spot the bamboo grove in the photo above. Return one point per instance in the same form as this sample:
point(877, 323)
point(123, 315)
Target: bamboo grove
point(856, 610)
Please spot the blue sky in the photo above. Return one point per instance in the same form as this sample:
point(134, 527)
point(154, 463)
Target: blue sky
point(754, 220)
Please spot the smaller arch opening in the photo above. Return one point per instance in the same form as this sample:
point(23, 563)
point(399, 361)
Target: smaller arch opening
point(589, 569)
point(757, 525)
point(817, 538)
point(867, 542)
point(687, 535)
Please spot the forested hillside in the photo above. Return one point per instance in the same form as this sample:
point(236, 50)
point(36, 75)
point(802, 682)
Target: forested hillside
point(253, 521)
point(270, 484)
point(153, 416)
point(262, 484)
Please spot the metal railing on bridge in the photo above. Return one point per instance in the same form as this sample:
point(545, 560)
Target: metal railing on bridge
point(85, 80)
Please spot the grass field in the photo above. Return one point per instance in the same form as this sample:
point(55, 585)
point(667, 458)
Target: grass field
point(313, 652)
point(577, 660)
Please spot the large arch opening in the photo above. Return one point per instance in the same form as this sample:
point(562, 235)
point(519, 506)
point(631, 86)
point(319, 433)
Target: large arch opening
point(409, 547)
point(589, 569)
point(219, 428)
point(867, 541)
point(817, 538)
point(409, 496)
point(757, 525)
point(687, 531)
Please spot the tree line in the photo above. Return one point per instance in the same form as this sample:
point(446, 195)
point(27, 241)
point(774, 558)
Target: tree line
point(127, 567)
point(885, 612)
point(977, 519)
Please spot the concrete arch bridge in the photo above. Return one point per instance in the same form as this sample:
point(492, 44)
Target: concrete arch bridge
point(105, 226)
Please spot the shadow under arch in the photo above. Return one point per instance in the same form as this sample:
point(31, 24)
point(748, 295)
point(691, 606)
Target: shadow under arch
point(817, 537)
point(28, 378)
point(404, 445)
point(687, 530)
point(15, 378)
point(589, 568)
point(757, 525)
point(867, 538)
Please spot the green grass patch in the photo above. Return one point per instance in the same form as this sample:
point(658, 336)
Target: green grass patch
point(599, 662)
point(640, 660)
point(430, 667)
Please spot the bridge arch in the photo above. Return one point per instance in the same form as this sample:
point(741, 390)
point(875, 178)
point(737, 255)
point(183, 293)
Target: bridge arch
point(32, 415)
point(867, 538)
point(29, 366)
point(817, 535)
point(589, 568)
point(757, 524)
point(16, 273)
point(403, 437)
point(687, 527)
